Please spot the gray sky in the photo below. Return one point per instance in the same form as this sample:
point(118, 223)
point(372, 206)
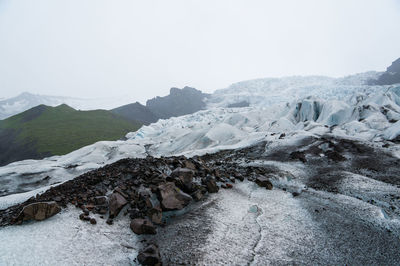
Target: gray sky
point(142, 48)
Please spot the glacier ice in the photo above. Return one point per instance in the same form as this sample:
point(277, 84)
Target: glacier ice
point(299, 107)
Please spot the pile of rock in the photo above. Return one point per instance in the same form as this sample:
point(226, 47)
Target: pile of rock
point(140, 188)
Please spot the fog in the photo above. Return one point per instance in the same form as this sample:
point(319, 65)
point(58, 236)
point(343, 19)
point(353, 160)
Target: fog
point(142, 48)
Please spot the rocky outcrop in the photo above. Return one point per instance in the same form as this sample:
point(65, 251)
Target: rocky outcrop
point(39, 211)
point(149, 255)
point(172, 198)
point(116, 203)
point(262, 181)
point(211, 184)
point(390, 76)
point(143, 226)
point(178, 102)
point(141, 188)
point(184, 176)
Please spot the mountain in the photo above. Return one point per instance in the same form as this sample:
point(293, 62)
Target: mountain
point(26, 100)
point(179, 102)
point(390, 76)
point(136, 112)
point(43, 131)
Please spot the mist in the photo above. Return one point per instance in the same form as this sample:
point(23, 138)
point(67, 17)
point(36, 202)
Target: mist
point(142, 48)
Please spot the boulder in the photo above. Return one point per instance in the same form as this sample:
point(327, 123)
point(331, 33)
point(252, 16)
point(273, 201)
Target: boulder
point(100, 200)
point(211, 184)
point(190, 165)
point(239, 176)
point(143, 226)
point(185, 175)
point(172, 198)
point(155, 215)
point(39, 211)
point(149, 255)
point(262, 181)
point(197, 195)
point(115, 204)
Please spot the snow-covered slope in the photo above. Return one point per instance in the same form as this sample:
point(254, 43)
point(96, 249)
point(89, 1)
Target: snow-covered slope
point(25, 101)
point(264, 92)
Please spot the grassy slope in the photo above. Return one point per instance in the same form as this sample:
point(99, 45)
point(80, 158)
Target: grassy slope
point(62, 129)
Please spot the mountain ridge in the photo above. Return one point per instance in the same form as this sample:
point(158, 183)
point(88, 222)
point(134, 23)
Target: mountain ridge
point(43, 131)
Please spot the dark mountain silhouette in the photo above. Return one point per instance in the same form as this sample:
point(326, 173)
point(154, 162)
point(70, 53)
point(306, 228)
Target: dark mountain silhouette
point(179, 102)
point(390, 76)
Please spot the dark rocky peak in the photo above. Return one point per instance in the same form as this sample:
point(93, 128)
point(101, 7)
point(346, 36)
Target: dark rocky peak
point(136, 112)
point(394, 67)
point(179, 102)
point(390, 76)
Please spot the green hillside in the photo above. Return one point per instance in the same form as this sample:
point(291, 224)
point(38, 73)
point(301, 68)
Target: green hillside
point(43, 131)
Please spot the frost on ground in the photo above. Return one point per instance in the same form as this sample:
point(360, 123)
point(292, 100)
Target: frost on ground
point(66, 240)
point(249, 225)
point(322, 211)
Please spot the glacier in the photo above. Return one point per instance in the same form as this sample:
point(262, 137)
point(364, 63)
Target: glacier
point(283, 112)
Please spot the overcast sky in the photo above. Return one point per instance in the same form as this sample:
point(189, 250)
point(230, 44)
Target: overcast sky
point(142, 48)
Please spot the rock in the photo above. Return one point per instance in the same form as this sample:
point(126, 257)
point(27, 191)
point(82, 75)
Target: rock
point(150, 255)
point(190, 165)
point(93, 221)
point(109, 221)
point(39, 211)
point(298, 155)
point(239, 176)
point(84, 217)
point(143, 226)
point(197, 195)
point(295, 194)
point(152, 201)
point(57, 199)
point(211, 184)
point(135, 213)
point(102, 210)
point(229, 185)
point(155, 215)
point(89, 207)
point(115, 204)
point(262, 181)
point(335, 156)
point(85, 211)
point(101, 200)
point(172, 198)
point(119, 191)
point(185, 175)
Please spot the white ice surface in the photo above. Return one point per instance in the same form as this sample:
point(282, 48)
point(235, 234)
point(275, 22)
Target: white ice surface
point(65, 240)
